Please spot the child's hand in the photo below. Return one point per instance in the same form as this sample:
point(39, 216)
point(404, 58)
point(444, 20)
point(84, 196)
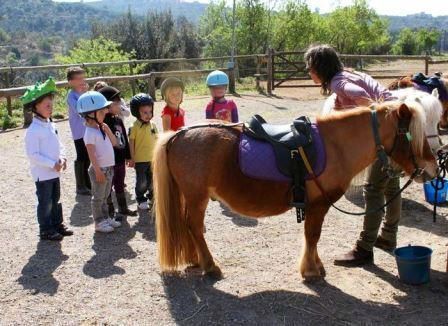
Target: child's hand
point(105, 128)
point(100, 177)
point(131, 163)
point(64, 164)
point(57, 166)
point(84, 88)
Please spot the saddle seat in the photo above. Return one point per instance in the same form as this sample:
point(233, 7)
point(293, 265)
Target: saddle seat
point(284, 139)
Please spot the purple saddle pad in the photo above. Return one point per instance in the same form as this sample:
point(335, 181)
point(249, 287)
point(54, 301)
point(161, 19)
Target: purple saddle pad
point(257, 158)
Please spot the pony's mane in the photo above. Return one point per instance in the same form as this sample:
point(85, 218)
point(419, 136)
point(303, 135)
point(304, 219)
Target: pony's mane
point(418, 121)
point(416, 127)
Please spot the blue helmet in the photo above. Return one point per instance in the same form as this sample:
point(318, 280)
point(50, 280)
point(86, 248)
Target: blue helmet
point(217, 78)
point(90, 102)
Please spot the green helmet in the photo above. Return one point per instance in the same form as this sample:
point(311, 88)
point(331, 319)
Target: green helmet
point(171, 82)
point(35, 92)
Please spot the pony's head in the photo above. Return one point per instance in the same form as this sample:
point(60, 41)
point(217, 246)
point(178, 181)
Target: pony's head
point(410, 149)
point(431, 107)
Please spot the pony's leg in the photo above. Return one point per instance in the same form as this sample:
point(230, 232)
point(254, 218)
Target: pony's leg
point(195, 220)
point(311, 266)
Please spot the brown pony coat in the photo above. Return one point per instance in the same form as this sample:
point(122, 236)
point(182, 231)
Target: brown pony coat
point(192, 166)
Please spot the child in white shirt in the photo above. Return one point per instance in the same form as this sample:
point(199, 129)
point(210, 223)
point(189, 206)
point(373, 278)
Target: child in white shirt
point(47, 158)
point(99, 141)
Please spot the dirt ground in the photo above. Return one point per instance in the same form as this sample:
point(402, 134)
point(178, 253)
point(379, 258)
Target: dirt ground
point(114, 279)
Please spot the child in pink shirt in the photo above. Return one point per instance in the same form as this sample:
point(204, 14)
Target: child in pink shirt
point(219, 107)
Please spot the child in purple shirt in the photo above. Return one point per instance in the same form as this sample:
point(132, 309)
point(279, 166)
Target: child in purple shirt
point(76, 79)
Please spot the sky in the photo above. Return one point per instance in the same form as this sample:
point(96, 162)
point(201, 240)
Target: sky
point(383, 7)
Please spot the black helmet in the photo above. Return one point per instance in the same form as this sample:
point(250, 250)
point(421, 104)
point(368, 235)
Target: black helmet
point(139, 100)
point(171, 82)
point(110, 93)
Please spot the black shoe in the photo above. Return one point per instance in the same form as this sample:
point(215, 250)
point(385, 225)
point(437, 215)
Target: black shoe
point(52, 236)
point(356, 257)
point(62, 229)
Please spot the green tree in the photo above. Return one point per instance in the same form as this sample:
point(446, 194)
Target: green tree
point(296, 26)
point(357, 29)
point(427, 40)
point(98, 50)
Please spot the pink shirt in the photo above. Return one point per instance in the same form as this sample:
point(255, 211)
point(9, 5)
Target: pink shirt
point(350, 86)
point(225, 110)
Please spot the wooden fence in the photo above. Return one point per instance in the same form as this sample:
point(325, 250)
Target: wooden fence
point(276, 68)
point(284, 67)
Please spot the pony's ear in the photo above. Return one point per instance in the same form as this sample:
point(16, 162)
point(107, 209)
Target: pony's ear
point(435, 93)
point(404, 112)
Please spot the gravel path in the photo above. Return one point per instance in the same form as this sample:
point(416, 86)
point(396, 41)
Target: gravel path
point(114, 279)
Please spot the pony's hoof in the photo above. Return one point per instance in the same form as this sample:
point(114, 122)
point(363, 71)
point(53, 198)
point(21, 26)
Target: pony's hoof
point(312, 278)
point(214, 273)
point(322, 271)
point(193, 268)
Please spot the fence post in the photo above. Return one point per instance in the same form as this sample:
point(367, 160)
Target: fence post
point(232, 81)
point(427, 59)
point(131, 72)
point(270, 78)
point(8, 99)
point(258, 72)
point(152, 86)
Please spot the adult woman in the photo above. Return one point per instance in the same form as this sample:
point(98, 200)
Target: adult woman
point(355, 89)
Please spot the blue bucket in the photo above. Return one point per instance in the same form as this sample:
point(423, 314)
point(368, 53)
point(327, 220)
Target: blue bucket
point(430, 191)
point(414, 264)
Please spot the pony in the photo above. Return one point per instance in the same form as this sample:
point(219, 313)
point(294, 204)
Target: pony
point(406, 82)
point(194, 165)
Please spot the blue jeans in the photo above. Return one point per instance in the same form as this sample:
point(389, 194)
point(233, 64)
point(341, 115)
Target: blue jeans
point(143, 182)
point(49, 210)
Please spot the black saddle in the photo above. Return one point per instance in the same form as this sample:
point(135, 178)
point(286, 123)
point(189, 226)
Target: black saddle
point(286, 141)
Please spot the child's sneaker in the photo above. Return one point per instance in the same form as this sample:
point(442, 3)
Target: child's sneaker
point(113, 223)
point(143, 205)
point(103, 227)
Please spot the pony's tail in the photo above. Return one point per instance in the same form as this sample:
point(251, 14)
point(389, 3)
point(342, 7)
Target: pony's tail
point(173, 238)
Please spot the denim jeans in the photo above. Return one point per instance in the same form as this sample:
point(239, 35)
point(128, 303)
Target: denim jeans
point(100, 192)
point(143, 183)
point(49, 210)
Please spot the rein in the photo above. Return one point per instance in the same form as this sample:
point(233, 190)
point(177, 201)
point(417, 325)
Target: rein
point(402, 132)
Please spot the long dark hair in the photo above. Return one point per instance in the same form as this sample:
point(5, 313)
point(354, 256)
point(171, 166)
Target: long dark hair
point(325, 62)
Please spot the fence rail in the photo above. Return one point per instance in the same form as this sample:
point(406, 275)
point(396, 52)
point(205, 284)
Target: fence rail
point(263, 67)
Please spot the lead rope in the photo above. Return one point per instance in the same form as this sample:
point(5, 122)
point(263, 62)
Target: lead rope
point(442, 158)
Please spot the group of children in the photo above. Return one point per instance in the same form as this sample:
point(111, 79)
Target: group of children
point(103, 146)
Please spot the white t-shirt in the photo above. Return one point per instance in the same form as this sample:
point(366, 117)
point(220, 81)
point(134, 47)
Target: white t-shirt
point(104, 151)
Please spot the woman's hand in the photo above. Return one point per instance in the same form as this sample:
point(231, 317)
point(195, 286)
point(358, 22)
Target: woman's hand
point(131, 163)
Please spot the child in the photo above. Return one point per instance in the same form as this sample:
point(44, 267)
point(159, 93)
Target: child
point(76, 79)
point(219, 107)
point(99, 141)
point(142, 139)
point(121, 151)
point(173, 117)
point(354, 89)
point(47, 158)
point(124, 110)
